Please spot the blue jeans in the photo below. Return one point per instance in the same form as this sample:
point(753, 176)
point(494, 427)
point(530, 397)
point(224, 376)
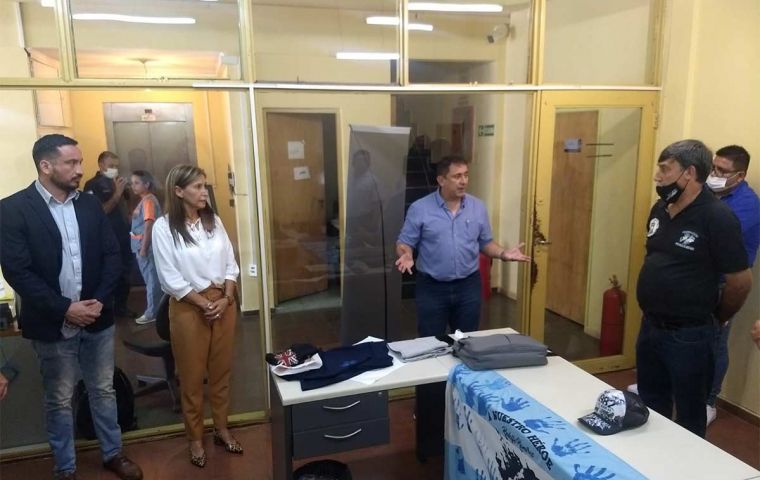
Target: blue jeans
point(455, 303)
point(60, 365)
point(676, 364)
point(153, 291)
point(721, 362)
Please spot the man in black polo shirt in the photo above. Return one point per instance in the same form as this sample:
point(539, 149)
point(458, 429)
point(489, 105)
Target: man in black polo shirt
point(692, 239)
point(109, 188)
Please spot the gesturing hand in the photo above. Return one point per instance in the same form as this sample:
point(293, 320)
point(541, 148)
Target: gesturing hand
point(514, 254)
point(405, 263)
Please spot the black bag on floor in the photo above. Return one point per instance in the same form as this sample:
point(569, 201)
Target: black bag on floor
point(125, 406)
point(323, 470)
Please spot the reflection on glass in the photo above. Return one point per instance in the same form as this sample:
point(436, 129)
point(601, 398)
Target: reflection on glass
point(590, 42)
point(332, 41)
point(226, 148)
point(592, 195)
point(156, 39)
point(35, 25)
point(466, 46)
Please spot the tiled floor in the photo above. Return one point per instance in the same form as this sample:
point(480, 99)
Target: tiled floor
point(167, 459)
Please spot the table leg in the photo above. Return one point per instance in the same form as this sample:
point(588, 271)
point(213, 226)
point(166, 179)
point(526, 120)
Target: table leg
point(430, 408)
point(282, 436)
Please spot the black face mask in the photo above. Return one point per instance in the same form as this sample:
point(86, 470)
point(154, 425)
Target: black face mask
point(671, 192)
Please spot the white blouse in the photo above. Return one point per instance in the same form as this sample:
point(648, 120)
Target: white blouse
point(183, 267)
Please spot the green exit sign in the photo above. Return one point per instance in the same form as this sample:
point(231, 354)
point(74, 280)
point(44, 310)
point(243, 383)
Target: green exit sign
point(485, 130)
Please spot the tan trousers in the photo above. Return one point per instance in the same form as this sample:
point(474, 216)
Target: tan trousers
point(199, 348)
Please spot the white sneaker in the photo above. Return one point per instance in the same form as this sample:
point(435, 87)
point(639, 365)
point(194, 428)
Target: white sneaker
point(142, 320)
point(712, 413)
point(633, 388)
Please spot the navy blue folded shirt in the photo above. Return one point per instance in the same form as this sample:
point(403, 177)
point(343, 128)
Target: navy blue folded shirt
point(343, 363)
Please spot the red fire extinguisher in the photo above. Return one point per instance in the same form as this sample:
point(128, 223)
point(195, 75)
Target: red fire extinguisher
point(613, 317)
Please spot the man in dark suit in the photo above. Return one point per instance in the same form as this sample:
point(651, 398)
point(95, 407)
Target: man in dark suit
point(59, 253)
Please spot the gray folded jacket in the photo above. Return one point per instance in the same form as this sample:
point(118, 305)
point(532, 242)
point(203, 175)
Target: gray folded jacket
point(500, 351)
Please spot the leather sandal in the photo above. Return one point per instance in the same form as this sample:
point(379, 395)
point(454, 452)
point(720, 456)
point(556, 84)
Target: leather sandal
point(232, 447)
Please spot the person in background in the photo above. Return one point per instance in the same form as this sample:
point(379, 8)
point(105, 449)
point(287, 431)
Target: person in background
point(449, 228)
point(3, 386)
point(755, 333)
point(692, 240)
point(109, 188)
point(143, 217)
point(196, 266)
point(58, 252)
point(728, 181)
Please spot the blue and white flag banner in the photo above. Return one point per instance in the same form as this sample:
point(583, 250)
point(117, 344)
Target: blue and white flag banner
point(494, 430)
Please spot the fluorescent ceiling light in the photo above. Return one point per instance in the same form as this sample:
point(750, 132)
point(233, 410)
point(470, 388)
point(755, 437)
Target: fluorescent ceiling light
point(366, 56)
point(134, 19)
point(455, 7)
point(47, 3)
point(395, 21)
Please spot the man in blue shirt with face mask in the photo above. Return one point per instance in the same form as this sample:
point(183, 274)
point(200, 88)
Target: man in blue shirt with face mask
point(693, 240)
point(727, 181)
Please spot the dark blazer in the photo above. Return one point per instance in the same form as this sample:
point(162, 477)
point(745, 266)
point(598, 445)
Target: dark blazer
point(31, 257)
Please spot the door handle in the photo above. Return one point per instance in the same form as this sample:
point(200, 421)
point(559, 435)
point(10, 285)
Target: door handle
point(543, 242)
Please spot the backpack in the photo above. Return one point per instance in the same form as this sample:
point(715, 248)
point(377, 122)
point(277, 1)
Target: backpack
point(125, 406)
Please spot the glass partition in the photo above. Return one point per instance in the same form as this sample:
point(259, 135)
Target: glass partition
point(156, 39)
point(214, 133)
point(30, 40)
point(470, 42)
point(326, 41)
point(339, 185)
point(600, 43)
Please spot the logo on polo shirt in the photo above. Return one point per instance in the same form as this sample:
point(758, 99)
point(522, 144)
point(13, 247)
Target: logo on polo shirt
point(654, 224)
point(687, 239)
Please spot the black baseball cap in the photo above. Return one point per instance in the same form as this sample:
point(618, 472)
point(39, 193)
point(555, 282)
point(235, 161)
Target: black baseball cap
point(616, 410)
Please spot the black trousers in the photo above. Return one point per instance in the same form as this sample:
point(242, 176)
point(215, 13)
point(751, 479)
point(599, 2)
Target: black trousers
point(676, 364)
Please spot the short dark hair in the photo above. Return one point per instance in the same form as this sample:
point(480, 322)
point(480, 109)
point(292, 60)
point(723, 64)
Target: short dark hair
point(105, 155)
point(46, 147)
point(738, 155)
point(443, 165)
point(687, 153)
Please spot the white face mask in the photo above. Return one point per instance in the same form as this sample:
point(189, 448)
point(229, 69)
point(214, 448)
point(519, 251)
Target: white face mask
point(717, 184)
point(111, 173)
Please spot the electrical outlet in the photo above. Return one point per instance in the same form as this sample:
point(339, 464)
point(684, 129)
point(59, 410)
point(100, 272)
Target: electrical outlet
point(253, 270)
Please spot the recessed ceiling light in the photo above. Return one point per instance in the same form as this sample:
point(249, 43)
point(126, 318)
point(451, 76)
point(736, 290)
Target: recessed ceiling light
point(455, 7)
point(395, 21)
point(47, 3)
point(366, 56)
point(134, 18)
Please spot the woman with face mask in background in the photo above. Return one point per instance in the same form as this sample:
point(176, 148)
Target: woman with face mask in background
point(197, 267)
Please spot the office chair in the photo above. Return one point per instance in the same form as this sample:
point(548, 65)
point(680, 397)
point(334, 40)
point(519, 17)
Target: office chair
point(161, 348)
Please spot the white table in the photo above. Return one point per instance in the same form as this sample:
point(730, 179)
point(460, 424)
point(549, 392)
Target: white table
point(660, 449)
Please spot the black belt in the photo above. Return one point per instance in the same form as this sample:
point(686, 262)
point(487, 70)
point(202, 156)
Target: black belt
point(676, 325)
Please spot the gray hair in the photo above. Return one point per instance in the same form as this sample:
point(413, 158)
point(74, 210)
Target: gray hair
point(687, 153)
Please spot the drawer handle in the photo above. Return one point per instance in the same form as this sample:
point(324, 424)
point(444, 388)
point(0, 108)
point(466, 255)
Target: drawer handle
point(327, 407)
point(343, 437)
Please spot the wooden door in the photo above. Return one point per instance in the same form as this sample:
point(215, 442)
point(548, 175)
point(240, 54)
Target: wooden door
point(572, 192)
point(295, 157)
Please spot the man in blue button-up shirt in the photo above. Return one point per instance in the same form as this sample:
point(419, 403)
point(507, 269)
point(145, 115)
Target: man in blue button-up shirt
point(448, 228)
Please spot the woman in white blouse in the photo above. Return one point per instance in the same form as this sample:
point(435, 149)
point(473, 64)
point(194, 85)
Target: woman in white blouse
point(196, 266)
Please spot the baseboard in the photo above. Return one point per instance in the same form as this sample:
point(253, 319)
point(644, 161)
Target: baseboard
point(740, 412)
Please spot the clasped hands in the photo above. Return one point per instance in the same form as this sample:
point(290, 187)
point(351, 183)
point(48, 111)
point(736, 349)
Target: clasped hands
point(213, 310)
point(83, 312)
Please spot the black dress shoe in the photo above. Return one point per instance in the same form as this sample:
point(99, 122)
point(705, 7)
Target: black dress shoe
point(124, 468)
